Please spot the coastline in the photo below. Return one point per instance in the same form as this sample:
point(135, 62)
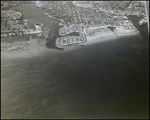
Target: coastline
point(37, 47)
point(90, 39)
point(33, 47)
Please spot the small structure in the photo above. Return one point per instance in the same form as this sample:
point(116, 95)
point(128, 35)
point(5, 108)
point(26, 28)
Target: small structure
point(38, 27)
point(37, 30)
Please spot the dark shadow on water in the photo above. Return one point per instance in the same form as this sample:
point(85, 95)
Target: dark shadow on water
point(80, 45)
point(143, 29)
point(51, 45)
point(111, 28)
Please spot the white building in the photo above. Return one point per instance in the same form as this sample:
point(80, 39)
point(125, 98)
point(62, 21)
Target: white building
point(38, 27)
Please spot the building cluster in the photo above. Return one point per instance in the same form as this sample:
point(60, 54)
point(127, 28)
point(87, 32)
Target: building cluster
point(37, 29)
point(60, 10)
point(11, 14)
point(96, 17)
point(96, 30)
point(72, 28)
point(142, 21)
point(76, 16)
point(70, 40)
point(90, 16)
point(5, 5)
point(87, 13)
point(13, 24)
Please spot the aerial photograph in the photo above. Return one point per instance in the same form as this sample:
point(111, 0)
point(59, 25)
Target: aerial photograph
point(75, 59)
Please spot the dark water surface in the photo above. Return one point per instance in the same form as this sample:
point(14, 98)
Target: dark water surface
point(105, 80)
point(143, 29)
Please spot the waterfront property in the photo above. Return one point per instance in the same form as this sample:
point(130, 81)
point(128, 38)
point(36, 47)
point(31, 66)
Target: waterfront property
point(27, 26)
point(70, 40)
point(36, 30)
point(72, 28)
point(92, 31)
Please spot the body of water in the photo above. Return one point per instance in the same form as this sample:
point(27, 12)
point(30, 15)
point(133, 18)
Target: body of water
point(105, 80)
point(143, 29)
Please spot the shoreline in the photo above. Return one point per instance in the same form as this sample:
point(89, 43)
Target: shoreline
point(37, 47)
point(90, 39)
point(33, 47)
